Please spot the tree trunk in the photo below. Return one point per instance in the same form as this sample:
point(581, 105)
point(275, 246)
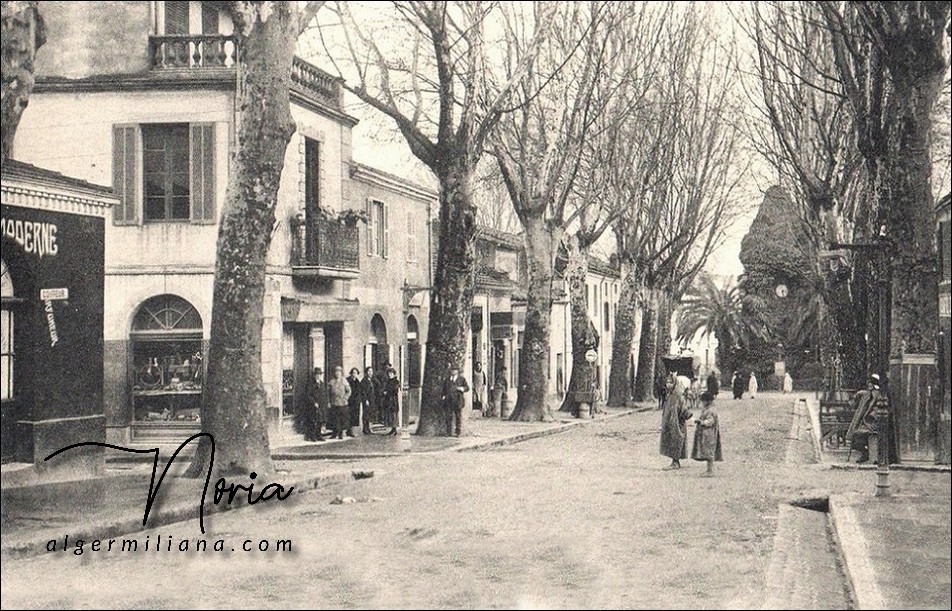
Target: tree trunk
point(584, 337)
point(911, 218)
point(23, 34)
point(451, 300)
point(233, 401)
point(665, 312)
point(534, 359)
point(619, 385)
point(647, 349)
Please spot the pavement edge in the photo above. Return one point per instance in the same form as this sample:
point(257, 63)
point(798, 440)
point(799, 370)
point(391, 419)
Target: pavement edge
point(855, 554)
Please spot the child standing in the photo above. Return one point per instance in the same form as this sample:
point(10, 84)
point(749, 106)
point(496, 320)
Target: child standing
point(707, 436)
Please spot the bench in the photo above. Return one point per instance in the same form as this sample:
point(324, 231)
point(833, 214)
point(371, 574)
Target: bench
point(836, 414)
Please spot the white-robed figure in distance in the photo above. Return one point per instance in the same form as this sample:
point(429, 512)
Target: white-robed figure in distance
point(752, 385)
point(787, 383)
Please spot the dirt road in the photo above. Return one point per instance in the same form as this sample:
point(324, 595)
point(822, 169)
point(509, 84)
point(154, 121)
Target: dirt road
point(583, 519)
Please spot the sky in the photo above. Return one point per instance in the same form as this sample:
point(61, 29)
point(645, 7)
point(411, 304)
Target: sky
point(377, 142)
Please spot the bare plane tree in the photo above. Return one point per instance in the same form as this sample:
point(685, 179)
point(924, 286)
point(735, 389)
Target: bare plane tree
point(578, 84)
point(430, 68)
point(233, 397)
point(680, 180)
point(803, 128)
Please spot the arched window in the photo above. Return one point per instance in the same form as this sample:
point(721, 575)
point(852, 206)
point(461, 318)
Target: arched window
point(167, 360)
point(7, 353)
point(378, 351)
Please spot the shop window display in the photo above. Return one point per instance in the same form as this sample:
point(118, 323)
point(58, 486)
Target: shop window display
point(168, 363)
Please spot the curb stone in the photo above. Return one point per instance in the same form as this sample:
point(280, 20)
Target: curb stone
point(853, 548)
point(565, 426)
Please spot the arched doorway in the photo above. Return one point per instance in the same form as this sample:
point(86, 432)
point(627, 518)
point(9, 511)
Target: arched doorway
point(8, 407)
point(379, 349)
point(168, 361)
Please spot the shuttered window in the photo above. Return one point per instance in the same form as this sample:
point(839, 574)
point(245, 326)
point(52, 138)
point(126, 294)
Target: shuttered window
point(176, 18)
point(124, 173)
point(176, 163)
point(411, 237)
point(202, 162)
point(378, 233)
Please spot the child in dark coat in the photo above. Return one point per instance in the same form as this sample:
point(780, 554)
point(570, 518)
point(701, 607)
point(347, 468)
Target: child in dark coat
point(707, 435)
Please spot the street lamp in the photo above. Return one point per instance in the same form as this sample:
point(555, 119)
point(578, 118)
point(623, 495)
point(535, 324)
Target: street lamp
point(879, 247)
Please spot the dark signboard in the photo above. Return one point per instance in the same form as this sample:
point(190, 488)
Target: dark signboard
point(55, 262)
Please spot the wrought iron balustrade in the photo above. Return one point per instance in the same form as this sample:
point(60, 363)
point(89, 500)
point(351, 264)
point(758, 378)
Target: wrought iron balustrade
point(326, 247)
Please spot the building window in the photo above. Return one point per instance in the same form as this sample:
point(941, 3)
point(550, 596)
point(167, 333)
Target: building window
point(312, 174)
point(177, 169)
point(7, 354)
point(176, 18)
point(167, 360)
point(165, 172)
point(411, 237)
point(377, 230)
point(605, 315)
point(209, 20)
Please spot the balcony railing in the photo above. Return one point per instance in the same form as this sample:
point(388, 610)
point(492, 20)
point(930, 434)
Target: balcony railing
point(325, 248)
point(202, 51)
point(194, 51)
point(315, 81)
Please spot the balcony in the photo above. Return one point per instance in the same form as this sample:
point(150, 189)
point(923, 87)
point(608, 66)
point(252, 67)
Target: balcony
point(199, 54)
point(325, 248)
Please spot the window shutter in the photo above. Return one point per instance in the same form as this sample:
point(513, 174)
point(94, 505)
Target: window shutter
point(124, 173)
point(176, 18)
point(384, 247)
point(202, 172)
point(411, 237)
point(370, 227)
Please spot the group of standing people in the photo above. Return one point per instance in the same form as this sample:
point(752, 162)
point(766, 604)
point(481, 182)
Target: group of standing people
point(674, 418)
point(739, 384)
point(343, 404)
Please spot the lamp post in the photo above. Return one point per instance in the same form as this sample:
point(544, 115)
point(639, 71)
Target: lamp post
point(880, 247)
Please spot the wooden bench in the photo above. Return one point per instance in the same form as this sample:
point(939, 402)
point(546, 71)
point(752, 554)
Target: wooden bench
point(836, 413)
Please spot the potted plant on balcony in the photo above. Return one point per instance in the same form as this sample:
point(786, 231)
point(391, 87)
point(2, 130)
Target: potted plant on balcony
point(347, 216)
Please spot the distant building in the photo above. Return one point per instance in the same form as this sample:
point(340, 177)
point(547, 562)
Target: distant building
point(153, 112)
point(51, 341)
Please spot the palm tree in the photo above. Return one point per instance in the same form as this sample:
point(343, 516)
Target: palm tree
point(732, 316)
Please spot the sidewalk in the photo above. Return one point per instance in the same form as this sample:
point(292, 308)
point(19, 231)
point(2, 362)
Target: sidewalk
point(113, 505)
point(895, 549)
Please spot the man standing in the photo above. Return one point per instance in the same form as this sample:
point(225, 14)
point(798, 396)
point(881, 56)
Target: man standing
point(355, 401)
point(479, 390)
point(453, 389)
point(713, 385)
point(339, 391)
point(864, 418)
point(318, 396)
point(370, 393)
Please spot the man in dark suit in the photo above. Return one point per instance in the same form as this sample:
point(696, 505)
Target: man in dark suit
point(370, 395)
point(453, 401)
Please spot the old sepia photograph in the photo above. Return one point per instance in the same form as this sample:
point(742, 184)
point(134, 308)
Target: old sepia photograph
point(488, 304)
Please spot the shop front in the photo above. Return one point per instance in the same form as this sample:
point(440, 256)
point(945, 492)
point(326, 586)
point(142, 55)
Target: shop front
point(52, 231)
